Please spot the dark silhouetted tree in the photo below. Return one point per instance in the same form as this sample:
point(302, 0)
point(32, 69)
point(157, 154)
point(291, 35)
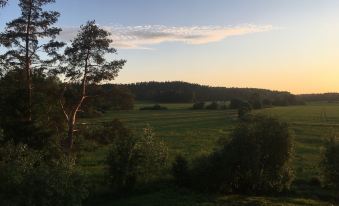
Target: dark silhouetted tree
point(85, 64)
point(26, 38)
point(255, 160)
point(3, 3)
point(330, 163)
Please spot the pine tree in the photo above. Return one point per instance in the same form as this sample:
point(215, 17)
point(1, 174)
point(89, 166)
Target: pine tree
point(3, 3)
point(86, 64)
point(28, 39)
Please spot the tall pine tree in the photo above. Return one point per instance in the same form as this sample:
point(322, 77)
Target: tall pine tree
point(86, 63)
point(3, 3)
point(31, 44)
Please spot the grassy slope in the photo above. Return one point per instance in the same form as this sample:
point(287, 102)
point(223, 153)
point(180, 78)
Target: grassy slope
point(194, 132)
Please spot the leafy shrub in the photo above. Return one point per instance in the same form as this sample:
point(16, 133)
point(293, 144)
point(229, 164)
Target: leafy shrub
point(256, 101)
point(28, 179)
point(257, 159)
point(106, 133)
point(154, 107)
point(315, 181)
point(330, 163)
point(135, 159)
point(198, 105)
point(24, 132)
point(244, 110)
point(236, 103)
point(213, 106)
point(180, 171)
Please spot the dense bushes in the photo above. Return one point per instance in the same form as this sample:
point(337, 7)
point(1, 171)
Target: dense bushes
point(330, 163)
point(213, 106)
point(107, 98)
point(244, 110)
point(180, 171)
point(106, 133)
point(256, 159)
point(30, 178)
point(135, 159)
point(210, 106)
point(198, 105)
point(47, 121)
point(154, 107)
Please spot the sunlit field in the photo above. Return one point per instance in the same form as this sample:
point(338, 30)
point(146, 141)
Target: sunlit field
point(195, 132)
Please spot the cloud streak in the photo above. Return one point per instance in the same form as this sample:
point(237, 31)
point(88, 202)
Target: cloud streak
point(138, 37)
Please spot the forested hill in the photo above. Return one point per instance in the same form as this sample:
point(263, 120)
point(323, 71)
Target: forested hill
point(186, 92)
point(329, 97)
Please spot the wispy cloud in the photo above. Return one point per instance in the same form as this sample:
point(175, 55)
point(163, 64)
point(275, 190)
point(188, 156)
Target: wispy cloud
point(136, 37)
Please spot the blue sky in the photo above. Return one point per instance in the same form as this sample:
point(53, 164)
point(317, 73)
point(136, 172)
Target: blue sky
point(283, 45)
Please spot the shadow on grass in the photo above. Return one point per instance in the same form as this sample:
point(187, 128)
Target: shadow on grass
point(165, 193)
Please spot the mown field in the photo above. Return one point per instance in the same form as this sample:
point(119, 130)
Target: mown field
point(192, 133)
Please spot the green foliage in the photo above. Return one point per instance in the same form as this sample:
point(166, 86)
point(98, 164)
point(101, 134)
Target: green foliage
point(193, 133)
point(244, 110)
point(116, 97)
point(28, 178)
point(154, 107)
point(103, 98)
point(180, 171)
point(180, 92)
point(198, 105)
point(86, 56)
point(135, 159)
point(107, 132)
point(256, 101)
point(243, 107)
point(85, 64)
point(256, 160)
point(330, 163)
point(3, 3)
point(25, 48)
point(47, 118)
point(213, 106)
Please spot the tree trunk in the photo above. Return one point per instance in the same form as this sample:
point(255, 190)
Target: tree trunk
point(28, 65)
point(69, 140)
point(73, 115)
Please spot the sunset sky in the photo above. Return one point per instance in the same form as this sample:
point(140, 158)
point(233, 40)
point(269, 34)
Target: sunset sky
point(288, 45)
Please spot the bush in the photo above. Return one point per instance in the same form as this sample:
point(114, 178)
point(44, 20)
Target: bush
point(213, 106)
point(198, 105)
point(330, 163)
point(257, 159)
point(28, 179)
point(106, 133)
point(315, 181)
point(180, 171)
point(244, 110)
point(135, 159)
point(236, 103)
point(154, 107)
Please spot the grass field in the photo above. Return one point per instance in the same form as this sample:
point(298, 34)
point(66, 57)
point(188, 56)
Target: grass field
point(192, 133)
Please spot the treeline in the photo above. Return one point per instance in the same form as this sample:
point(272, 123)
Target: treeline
point(178, 91)
point(103, 98)
point(329, 97)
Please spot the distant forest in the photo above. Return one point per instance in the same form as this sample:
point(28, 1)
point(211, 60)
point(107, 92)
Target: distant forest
point(329, 97)
point(175, 92)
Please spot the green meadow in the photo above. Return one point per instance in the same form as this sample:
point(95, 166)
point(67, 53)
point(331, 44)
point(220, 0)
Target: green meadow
point(195, 132)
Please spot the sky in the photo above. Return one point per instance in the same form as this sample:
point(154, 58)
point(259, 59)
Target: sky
point(289, 45)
